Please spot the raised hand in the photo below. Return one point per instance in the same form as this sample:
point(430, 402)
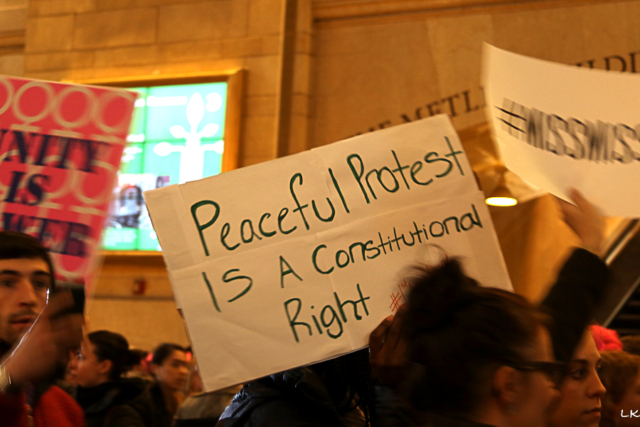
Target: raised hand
point(51, 336)
point(585, 220)
point(387, 350)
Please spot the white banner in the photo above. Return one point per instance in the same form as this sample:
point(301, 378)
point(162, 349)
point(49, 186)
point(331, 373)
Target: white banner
point(297, 260)
point(561, 126)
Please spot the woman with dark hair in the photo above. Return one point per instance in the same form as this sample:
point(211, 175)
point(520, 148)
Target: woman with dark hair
point(108, 399)
point(169, 367)
point(479, 356)
point(581, 390)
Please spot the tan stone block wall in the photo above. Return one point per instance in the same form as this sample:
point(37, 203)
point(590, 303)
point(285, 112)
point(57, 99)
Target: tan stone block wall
point(105, 40)
point(146, 319)
point(115, 28)
point(13, 24)
point(196, 21)
point(13, 18)
point(50, 33)
point(60, 7)
point(12, 65)
point(144, 322)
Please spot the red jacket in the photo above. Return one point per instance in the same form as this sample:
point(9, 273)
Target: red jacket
point(55, 408)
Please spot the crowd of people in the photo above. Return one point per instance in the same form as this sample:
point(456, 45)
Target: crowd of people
point(458, 354)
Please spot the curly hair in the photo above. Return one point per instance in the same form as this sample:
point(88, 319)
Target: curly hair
point(631, 344)
point(618, 372)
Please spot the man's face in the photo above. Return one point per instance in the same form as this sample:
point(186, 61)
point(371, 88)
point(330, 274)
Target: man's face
point(173, 372)
point(24, 286)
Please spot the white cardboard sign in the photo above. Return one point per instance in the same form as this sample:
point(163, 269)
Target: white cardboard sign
point(297, 260)
point(561, 126)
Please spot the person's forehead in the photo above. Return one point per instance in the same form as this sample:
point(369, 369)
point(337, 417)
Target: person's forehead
point(24, 266)
point(178, 356)
point(87, 347)
point(587, 350)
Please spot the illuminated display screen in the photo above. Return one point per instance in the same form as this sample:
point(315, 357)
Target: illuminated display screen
point(177, 135)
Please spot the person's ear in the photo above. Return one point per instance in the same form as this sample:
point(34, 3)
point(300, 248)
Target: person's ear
point(153, 368)
point(506, 386)
point(105, 366)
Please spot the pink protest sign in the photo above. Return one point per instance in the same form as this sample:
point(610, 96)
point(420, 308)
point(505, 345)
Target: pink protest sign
point(60, 148)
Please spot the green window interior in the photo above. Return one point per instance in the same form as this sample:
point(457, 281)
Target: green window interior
point(176, 136)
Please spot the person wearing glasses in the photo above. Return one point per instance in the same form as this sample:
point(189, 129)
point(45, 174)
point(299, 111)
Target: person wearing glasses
point(36, 332)
point(107, 398)
point(570, 305)
point(477, 356)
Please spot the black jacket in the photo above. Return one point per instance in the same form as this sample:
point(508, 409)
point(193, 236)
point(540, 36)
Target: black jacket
point(122, 403)
point(293, 398)
point(163, 417)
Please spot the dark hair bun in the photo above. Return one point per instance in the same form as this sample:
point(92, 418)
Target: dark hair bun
point(437, 295)
point(458, 332)
point(115, 348)
point(134, 358)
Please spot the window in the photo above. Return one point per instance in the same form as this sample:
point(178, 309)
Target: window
point(179, 133)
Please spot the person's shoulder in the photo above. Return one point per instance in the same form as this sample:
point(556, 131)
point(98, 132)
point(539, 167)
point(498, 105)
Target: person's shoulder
point(131, 388)
point(142, 403)
point(206, 405)
point(58, 395)
point(124, 415)
point(57, 405)
point(288, 413)
point(275, 401)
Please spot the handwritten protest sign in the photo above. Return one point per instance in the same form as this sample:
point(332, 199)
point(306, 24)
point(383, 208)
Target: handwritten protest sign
point(60, 147)
point(560, 126)
point(297, 260)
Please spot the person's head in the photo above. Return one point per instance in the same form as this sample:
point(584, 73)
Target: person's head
point(139, 362)
point(620, 374)
point(581, 389)
point(104, 357)
point(478, 353)
point(26, 278)
point(169, 366)
point(631, 344)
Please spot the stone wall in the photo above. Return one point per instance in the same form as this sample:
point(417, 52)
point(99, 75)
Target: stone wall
point(13, 23)
point(93, 40)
